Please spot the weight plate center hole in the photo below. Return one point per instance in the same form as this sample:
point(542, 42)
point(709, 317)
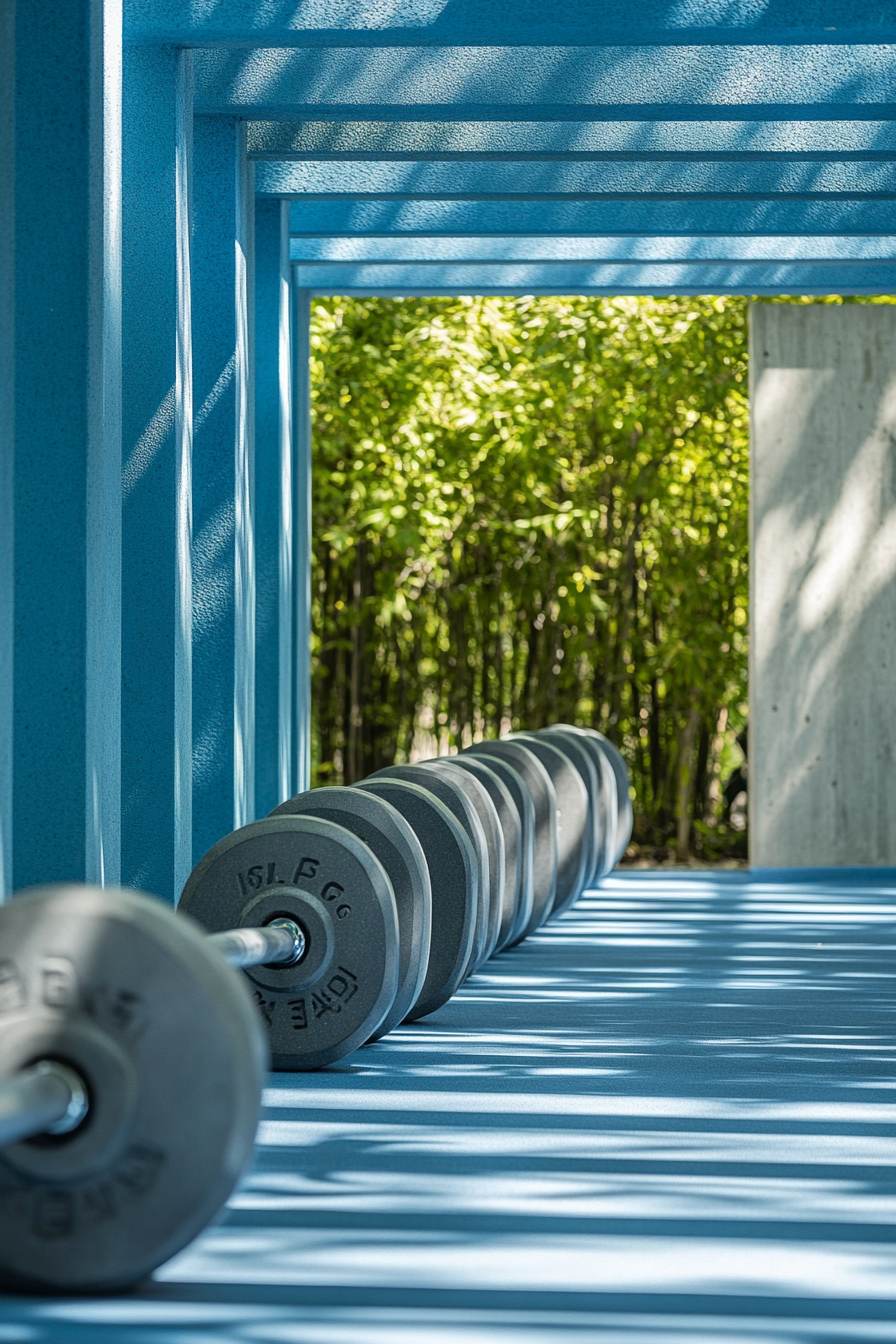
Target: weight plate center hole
point(300, 940)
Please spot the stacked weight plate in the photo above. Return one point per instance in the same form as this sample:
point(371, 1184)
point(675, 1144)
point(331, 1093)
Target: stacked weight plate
point(405, 884)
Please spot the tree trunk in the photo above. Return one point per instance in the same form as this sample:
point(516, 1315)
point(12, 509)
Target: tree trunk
point(686, 778)
point(354, 767)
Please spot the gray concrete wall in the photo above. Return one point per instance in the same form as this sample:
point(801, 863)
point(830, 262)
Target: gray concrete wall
point(823, 581)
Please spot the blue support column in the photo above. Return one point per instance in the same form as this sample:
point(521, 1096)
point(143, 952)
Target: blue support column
point(7, 428)
point(63, 436)
point(156, 484)
point(223, 554)
point(302, 433)
point(274, 756)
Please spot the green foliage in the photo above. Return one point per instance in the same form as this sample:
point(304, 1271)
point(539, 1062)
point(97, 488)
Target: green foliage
point(530, 510)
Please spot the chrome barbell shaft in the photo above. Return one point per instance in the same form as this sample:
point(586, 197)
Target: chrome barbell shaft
point(280, 943)
point(50, 1098)
point(46, 1098)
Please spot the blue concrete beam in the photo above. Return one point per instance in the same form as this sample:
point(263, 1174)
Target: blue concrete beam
point(274, 512)
point(285, 23)
point(553, 84)
point(156, 486)
point(545, 278)
point(538, 249)
point(579, 218)
point(448, 141)
point(223, 551)
point(583, 181)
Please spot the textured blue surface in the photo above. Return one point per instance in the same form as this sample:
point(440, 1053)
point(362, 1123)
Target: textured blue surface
point(57, 405)
point(585, 278)
point(149, 473)
point(580, 218)
point(554, 82)
point(497, 22)
point(447, 140)
point(267, 505)
point(542, 248)
point(214, 395)
point(489, 181)
point(666, 1119)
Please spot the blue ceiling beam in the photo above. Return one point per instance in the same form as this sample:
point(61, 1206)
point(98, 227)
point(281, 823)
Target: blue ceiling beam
point(448, 141)
point(584, 181)
point(566, 278)
point(553, 84)
point(296, 23)
point(582, 218)
point(760, 250)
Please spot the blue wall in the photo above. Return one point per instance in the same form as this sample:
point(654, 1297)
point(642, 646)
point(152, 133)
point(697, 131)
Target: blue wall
point(156, 272)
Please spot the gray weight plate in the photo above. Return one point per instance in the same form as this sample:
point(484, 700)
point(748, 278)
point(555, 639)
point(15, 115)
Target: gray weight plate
point(624, 812)
point(585, 761)
point(478, 796)
point(454, 877)
point(165, 1035)
point(525, 810)
point(455, 798)
point(512, 835)
point(607, 798)
point(326, 879)
point(615, 801)
point(544, 801)
point(388, 835)
point(573, 819)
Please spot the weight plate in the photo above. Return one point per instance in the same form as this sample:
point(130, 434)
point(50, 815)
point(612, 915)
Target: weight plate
point(453, 795)
point(544, 801)
point(317, 873)
point(511, 834)
point(525, 810)
point(585, 761)
point(455, 886)
point(624, 812)
point(165, 1036)
point(484, 808)
point(616, 811)
point(573, 820)
point(384, 831)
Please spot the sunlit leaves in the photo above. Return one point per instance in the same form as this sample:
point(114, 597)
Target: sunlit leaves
point(531, 509)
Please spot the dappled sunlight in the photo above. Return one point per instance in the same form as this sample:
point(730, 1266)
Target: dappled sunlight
point(663, 1118)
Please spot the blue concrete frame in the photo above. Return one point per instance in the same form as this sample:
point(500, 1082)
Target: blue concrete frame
point(155, 528)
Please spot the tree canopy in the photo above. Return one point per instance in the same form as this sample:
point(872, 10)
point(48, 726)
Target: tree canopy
point(529, 510)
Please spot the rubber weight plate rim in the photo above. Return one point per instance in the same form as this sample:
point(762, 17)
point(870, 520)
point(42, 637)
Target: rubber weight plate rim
point(384, 830)
point(525, 811)
point(578, 754)
point(510, 821)
point(315, 872)
point(609, 792)
point(624, 811)
point(453, 795)
point(592, 769)
point(478, 796)
point(455, 887)
point(573, 819)
point(544, 799)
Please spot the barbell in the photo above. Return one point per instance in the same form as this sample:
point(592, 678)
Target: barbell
point(405, 884)
point(131, 1049)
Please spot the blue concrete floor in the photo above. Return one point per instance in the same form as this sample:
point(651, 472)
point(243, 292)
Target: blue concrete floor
point(667, 1118)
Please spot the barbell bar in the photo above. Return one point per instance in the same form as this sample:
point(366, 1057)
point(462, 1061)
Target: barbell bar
point(110, 1004)
point(50, 1097)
